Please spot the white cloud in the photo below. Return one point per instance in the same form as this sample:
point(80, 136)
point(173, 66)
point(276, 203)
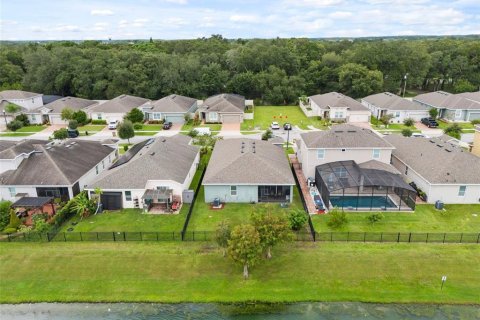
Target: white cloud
point(245, 18)
point(340, 15)
point(313, 3)
point(177, 1)
point(68, 27)
point(8, 22)
point(138, 23)
point(101, 12)
point(37, 29)
point(100, 26)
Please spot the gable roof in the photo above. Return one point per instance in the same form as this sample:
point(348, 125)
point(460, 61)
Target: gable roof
point(441, 99)
point(17, 94)
point(56, 163)
point(121, 104)
point(73, 103)
point(173, 103)
point(260, 163)
point(475, 96)
point(5, 103)
point(344, 136)
point(11, 150)
point(225, 102)
point(390, 101)
point(337, 100)
point(166, 158)
point(436, 160)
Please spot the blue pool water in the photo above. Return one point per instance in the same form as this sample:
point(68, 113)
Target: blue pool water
point(363, 202)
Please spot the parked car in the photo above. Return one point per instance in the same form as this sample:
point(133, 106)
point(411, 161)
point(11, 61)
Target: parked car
point(430, 122)
point(72, 133)
point(287, 126)
point(167, 125)
point(112, 125)
point(275, 126)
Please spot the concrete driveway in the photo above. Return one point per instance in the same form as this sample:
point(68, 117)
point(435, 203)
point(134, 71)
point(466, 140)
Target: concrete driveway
point(431, 132)
point(230, 129)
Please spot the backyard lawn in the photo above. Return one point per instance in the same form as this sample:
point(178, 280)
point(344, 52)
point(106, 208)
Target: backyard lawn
point(265, 115)
point(206, 219)
point(127, 220)
point(213, 126)
point(197, 272)
point(455, 218)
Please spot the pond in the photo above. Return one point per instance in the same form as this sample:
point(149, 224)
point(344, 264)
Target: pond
point(210, 311)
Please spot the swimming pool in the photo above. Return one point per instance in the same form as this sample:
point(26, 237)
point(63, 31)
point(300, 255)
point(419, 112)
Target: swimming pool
point(362, 202)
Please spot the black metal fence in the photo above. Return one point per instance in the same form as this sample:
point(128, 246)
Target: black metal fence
point(304, 203)
point(405, 237)
point(192, 205)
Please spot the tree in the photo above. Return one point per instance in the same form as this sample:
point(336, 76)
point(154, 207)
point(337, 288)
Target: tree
point(83, 206)
point(244, 246)
point(268, 134)
point(433, 112)
point(464, 86)
point(297, 219)
point(22, 117)
point(135, 115)
point(409, 122)
point(125, 130)
point(357, 81)
point(12, 108)
point(60, 134)
point(4, 213)
point(453, 130)
point(385, 119)
point(81, 117)
point(66, 114)
point(14, 125)
point(73, 124)
point(272, 229)
point(222, 235)
point(337, 218)
point(407, 132)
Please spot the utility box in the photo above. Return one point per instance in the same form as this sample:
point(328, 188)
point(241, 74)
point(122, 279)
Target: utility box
point(439, 205)
point(187, 196)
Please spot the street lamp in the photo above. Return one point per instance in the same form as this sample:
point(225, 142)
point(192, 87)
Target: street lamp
point(404, 84)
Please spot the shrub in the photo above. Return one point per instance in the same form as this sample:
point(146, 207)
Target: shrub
point(60, 134)
point(81, 117)
point(125, 148)
point(409, 122)
point(453, 130)
point(15, 221)
point(155, 121)
point(41, 225)
point(24, 229)
point(73, 124)
point(187, 117)
point(433, 113)
point(137, 126)
point(297, 219)
point(135, 115)
point(99, 121)
point(193, 133)
point(268, 134)
point(476, 121)
point(375, 217)
point(23, 118)
point(337, 219)
point(4, 213)
point(385, 119)
point(14, 125)
point(407, 132)
point(125, 130)
point(10, 230)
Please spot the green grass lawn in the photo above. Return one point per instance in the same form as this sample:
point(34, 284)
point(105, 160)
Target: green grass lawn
point(455, 218)
point(466, 126)
point(15, 134)
point(145, 133)
point(121, 145)
point(91, 128)
point(151, 127)
point(377, 125)
point(127, 220)
point(206, 219)
point(197, 272)
point(264, 116)
point(31, 129)
point(213, 126)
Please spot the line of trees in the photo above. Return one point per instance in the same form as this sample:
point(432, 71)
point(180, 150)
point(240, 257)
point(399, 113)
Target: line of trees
point(275, 71)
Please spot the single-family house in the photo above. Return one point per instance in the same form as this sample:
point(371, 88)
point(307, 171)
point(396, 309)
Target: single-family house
point(476, 141)
point(117, 108)
point(172, 108)
point(26, 101)
point(338, 108)
point(342, 142)
point(52, 112)
point(250, 171)
point(223, 108)
point(442, 170)
point(152, 174)
point(39, 168)
point(452, 107)
point(387, 103)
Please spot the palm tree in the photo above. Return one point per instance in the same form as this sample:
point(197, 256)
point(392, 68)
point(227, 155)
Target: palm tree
point(82, 205)
point(98, 195)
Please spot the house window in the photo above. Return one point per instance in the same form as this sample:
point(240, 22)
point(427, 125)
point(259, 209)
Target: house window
point(213, 116)
point(34, 118)
point(461, 191)
point(338, 114)
point(12, 191)
point(233, 190)
point(321, 154)
point(343, 150)
point(406, 170)
point(103, 164)
point(96, 169)
point(376, 153)
point(157, 116)
point(99, 116)
point(458, 114)
point(397, 114)
point(128, 195)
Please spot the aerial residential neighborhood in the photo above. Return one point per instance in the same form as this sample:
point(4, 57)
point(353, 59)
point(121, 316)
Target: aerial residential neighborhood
point(182, 159)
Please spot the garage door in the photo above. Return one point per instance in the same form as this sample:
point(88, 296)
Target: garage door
point(231, 118)
point(174, 118)
point(111, 200)
point(474, 116)
point(417, 116)
point(56, 119)
point(358, 118)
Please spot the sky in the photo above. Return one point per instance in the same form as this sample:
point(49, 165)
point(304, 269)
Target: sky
point(187, 19)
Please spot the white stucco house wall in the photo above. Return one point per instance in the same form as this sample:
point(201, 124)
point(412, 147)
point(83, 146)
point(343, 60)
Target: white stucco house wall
point(462, 107)
point(117, 108)
point(384, 103)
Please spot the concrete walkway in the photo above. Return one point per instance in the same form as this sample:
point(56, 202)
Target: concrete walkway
point(304, 188)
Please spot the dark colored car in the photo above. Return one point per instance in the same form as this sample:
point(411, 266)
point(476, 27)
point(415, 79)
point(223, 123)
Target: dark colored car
point(430, 122)
point(167, 125)
point(287, 126)
point(73, 133)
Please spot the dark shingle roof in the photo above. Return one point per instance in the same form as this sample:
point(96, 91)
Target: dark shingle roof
point(173, 103)
point(229, 165)
point(337, 100)
point(68, 102)
point(120, 104)
point(390, 101)
point(344, 136)
point(225, 102)
point(441, 99)
point(10, 150)
point(17, 94)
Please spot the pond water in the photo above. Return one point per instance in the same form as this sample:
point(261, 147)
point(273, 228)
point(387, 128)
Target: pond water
point(317, 310)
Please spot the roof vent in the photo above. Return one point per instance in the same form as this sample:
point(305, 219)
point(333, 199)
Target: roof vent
point(352, 131)
point(338, 131)
point(432, 141)
point(48, 147)
point(152, 153)
point(67, 146)
point(448, 150)
point(73, 142)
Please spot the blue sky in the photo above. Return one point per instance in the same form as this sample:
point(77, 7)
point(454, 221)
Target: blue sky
point(182, 19)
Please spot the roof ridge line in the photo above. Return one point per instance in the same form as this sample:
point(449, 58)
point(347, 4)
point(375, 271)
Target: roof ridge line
point(54, 163)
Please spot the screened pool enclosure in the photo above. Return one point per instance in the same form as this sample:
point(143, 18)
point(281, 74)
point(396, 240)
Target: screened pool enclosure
point(346, 185)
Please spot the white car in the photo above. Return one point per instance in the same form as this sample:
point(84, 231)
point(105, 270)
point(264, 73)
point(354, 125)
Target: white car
point(275, 126)
point(112, 125)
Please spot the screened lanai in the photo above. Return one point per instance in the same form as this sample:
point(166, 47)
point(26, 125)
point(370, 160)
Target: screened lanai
point(346, 185)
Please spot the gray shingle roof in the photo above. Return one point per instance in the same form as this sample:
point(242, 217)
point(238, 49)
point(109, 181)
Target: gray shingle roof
point(337, 100)
point(120, 104)
point(57, 164)
point(390, 101)
point(267, 165)
point(171, 160)
point(441, 99)
point(225, 102)
point(68, 102)
point(344, 136)
point(173, 103)
point(475, 96)
point(4, 103)
point(437, 161)
point(12, 149)
point(17, 94)
point(377, 165)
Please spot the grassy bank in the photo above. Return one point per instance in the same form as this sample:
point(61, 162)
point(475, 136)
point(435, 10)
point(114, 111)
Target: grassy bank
point(173, 272)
